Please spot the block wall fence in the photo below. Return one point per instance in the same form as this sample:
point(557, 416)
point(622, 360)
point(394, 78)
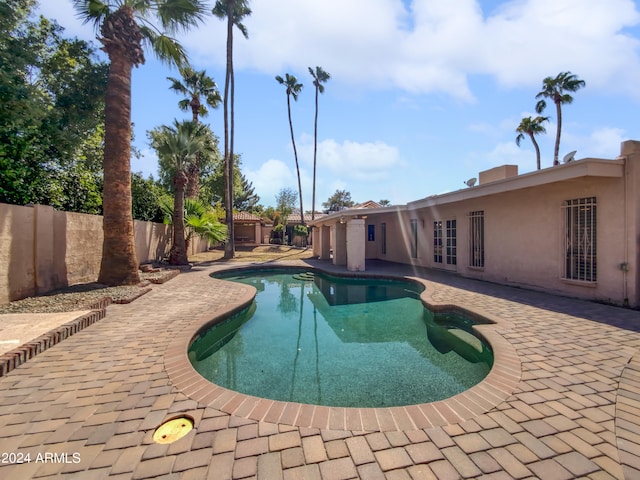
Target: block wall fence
point(42, 249)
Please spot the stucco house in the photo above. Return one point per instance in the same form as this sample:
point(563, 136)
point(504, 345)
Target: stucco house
point(571, 229)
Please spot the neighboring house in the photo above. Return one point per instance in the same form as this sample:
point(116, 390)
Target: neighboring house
point(570, 229)
point(247, 229)
point(294, 219)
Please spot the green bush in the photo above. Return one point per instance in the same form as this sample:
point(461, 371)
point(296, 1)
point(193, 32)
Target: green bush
point(300, 230)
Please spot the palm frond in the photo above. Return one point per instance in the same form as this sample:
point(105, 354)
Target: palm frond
point(177, 15)
point(166, 48)
point(92, 11)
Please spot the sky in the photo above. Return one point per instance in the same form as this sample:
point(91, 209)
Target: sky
point(423, 95)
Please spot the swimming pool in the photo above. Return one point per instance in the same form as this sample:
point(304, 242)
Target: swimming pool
point(351, 342)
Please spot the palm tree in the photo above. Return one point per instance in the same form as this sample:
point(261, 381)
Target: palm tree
point(554, 89)
point(233, 11)
point(319, 77)
point(293, 88)
point(180, 145)
point(196, 85)
point(124, 27)
point(198, 220)
point(531, 127)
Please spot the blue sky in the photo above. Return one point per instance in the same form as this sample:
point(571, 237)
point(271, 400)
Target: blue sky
point(424, 93)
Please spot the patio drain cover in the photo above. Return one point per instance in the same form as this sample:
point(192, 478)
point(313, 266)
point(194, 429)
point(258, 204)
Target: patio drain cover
point(173, 430)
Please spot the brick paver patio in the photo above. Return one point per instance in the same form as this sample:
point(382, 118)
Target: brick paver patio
point(563, 401)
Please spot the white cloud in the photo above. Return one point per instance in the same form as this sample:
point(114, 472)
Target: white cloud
point(602, 142)
point(349, 160)
point(272, 176)
point(436, 46)
point(429, 46)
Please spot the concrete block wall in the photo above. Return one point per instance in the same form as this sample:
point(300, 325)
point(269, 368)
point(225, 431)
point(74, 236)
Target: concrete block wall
point(42, 249)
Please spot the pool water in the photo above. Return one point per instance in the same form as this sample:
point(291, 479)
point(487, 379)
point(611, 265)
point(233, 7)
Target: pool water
point(324, 340)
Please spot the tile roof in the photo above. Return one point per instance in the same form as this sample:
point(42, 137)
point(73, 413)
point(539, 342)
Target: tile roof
point(246, 216)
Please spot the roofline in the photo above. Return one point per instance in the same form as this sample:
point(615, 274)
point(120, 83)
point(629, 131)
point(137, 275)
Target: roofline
point(357, 212)
point(587, 167)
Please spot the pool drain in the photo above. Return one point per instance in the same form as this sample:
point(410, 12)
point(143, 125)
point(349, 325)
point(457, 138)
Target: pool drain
point(173, 430)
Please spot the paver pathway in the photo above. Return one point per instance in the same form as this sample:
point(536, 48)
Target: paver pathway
point(88, 406)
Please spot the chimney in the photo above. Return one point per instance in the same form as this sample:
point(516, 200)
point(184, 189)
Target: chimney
point(498, 173)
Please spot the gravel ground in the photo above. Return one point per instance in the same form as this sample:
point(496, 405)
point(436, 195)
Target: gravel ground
point(84, 296)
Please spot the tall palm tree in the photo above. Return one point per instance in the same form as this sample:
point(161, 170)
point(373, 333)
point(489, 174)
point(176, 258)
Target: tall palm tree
point(554, 89)
point(532, 127)
point(293, 88)
point(180, 145)
point(195, 85)
point(233, 11)
point(319, 77)
point(125, 26)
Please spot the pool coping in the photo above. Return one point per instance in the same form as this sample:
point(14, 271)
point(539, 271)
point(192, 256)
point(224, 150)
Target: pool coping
point(495, 388)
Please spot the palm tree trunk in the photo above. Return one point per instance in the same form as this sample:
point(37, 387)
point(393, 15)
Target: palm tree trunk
point(119, 265)
point(315, 153)
point(178, 253)
point(232, 81)
point(193, 172)
point(556, 149)
point(228, 198)
point(295, 155)
point(535, 145)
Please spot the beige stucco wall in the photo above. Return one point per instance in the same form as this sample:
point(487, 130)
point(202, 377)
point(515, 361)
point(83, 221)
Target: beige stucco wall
point(523, 237)
point(16, 252)
point(42, 249)
point(524, 228)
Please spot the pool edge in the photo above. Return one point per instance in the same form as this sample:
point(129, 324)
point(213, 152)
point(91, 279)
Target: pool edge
point(495, 388)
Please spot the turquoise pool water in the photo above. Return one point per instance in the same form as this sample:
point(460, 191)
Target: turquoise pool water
point(324, 340)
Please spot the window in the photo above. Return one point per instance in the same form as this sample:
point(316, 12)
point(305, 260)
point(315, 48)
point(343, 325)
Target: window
point(452, 247)
point(383, 230)
point(437, 242)
point(371, 233)
point(414, 238)
point(580, 237)
point(476, 229)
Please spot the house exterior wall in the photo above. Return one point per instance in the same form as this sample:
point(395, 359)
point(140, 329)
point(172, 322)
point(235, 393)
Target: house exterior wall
point(42, 249)
point(245, 233)
point(523, 238)
point(524, 228)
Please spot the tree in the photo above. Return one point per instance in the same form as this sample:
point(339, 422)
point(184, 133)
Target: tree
point(195, 85)
point(244, 196)
point(180, 145)
point(233, 11)
point(554, 89)
point(384, 202)
point(340, 200)
point(51, 114)
point(146, 196)
point(285, 203)
point(198, 220)
point(124, 27)
point(293, 88)
point(319, 77)
point(532, 127)
point(208, 160)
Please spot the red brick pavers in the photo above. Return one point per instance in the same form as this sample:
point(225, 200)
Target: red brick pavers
point(87, 407)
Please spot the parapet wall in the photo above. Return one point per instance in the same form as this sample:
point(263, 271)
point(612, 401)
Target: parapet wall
point(42, 249)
